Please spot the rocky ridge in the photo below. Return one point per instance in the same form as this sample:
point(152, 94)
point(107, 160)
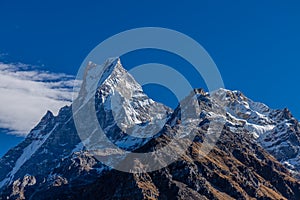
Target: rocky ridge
point(256, 156)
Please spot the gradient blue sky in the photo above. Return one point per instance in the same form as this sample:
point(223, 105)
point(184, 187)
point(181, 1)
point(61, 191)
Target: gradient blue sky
point(255, 44)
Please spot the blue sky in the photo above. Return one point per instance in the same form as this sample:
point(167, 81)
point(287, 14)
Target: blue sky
point(255, 44)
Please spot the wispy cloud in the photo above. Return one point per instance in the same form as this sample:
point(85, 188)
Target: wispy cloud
point(26, 93)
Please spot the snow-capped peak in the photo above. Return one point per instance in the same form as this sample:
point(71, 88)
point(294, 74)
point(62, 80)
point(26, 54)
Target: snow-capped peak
point(121, 98)
point(276, 130)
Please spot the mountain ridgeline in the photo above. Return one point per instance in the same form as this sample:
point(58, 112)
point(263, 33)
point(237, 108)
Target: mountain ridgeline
point(257, 155)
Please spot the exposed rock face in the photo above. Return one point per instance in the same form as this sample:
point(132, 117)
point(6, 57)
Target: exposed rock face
point(52, 162)
point(275, 130)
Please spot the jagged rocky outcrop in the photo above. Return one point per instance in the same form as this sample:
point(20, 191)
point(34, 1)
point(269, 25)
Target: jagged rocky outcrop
point(275, 130)
point(256, 156)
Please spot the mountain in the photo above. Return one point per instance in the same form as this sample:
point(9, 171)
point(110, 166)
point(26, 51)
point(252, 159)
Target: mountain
point(255, 157)
point(277, 131)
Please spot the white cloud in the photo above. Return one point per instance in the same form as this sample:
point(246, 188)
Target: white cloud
point(27, 93)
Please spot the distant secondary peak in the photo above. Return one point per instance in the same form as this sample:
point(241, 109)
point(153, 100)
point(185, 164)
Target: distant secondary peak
point(287, 113)
point(200, 91)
